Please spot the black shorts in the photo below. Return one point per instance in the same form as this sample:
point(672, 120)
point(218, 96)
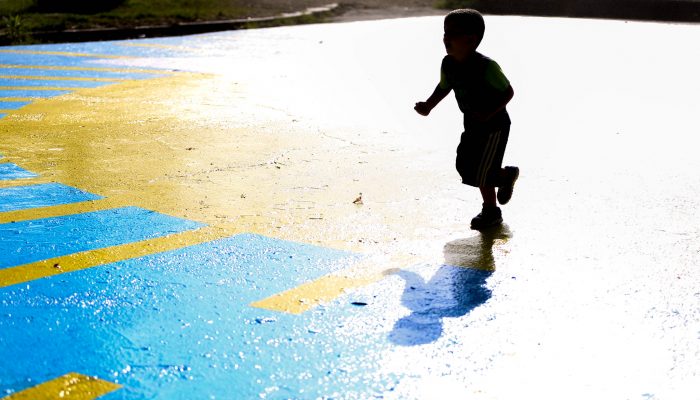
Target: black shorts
point(480, 154)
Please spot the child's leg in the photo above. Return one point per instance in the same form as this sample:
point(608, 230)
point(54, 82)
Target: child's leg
point(490, 214)
point(506, 179)
point(488, 193)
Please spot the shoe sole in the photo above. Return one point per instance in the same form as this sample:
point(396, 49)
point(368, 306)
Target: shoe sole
point(492, 224)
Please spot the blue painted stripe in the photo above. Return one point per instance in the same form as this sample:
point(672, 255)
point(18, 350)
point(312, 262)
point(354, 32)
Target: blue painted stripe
point(77, 73)
point(52, 83)
point(13, 105)
point(45, 59)
point(28, 241)
point(32, 93)
point(10, 171)
point(2, 116)
point(112, 48)
point(178, 325)
point(42, 195)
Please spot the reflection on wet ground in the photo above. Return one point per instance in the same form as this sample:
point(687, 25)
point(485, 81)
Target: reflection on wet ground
point(454, 290)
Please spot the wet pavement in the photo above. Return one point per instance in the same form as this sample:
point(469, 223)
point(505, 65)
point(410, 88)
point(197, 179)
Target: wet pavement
point(178, 217)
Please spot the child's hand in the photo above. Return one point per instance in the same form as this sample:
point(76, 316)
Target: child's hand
point(422, 108)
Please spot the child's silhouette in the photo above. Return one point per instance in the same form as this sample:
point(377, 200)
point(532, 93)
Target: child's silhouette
point(482, 92)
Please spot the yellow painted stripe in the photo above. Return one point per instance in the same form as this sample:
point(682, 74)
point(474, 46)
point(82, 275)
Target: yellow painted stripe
point(88, 259)
point(311, 294)
point(99, 69)
point(58, 211)
point(59, 78)
point(63, 53)
point(6, 111)
point(71, 386)
point(23, 182)
point(17, 99)
point(327, 288)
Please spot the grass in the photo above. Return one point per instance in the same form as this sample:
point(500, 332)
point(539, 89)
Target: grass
point(20, 18)
point(652, 10)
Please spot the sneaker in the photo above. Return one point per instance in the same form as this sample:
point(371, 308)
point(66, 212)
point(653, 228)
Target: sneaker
point(505, 192)
point(488, 217)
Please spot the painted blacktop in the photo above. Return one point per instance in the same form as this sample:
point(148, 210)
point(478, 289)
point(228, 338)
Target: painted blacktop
point(261, 214)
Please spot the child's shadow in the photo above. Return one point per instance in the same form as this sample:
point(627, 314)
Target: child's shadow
point(458, 287)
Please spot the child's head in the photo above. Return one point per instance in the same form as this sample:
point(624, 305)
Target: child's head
point(464, 30)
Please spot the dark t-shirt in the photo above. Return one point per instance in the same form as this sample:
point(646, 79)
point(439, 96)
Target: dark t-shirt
point(478, 84)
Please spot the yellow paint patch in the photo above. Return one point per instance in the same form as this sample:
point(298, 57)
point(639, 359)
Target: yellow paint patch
point(79, 261)
point(72, 386)
point(195, 146)
point(62, 53)
point(16, 99)
point(327, 288)
point(23, 182)
point(58, 211)
point(309, 295)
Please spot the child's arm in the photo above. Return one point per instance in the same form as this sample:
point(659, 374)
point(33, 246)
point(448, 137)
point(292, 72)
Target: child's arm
point(485, 115)
point(424, 107)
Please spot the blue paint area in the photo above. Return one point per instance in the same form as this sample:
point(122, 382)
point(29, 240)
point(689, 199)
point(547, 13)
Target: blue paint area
point(2, 115)
point(77, 73)
point(111, 48)
point(181, 46)
point(9, 171)
point(178, 325)
point(52, 83)
point(92, 52)
point(13, 105)
point(32, 93)
point(45, 59)
point(29, 241)
point(43, 195)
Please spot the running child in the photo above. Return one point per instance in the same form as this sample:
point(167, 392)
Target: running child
point(482, 92)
